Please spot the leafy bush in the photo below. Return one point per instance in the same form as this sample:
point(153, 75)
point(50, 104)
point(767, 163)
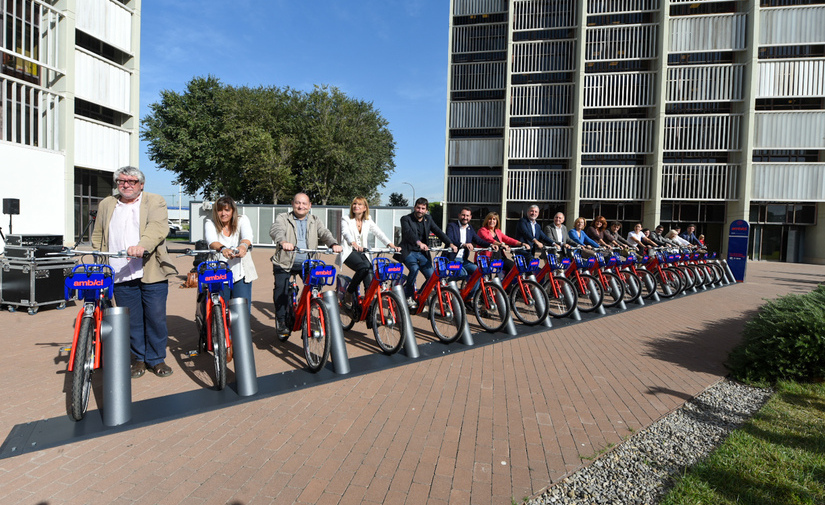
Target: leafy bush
point(786, 340)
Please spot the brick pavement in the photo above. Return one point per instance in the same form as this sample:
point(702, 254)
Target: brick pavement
point(487, 425)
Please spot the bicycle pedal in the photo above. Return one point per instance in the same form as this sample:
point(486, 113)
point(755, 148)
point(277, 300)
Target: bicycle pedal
point(193, 353)
point(66, 349)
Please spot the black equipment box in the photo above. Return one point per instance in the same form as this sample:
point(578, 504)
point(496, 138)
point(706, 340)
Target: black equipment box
point(33, 283)
point(29, 247)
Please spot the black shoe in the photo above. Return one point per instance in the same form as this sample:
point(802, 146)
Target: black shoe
point(282, 331)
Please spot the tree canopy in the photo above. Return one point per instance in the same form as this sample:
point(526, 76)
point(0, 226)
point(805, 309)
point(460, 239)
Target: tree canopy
point(261, 145)
point(398, 200)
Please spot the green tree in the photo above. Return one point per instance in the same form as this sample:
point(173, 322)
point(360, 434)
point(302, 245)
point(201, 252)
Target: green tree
point(398, 200)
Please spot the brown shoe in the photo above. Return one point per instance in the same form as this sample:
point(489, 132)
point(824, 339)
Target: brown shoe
point(138, 369)
point(162, 370)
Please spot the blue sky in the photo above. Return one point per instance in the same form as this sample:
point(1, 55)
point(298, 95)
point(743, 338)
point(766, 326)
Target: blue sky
point(392, 53)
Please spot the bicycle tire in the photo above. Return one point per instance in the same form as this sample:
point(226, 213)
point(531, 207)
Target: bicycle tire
point(348, 314)
point(590, 293)
point(490, 306)
point(389, 329)
point(647, 281)
point(668, 283)
point(688, 278)
point(219, 347)
point(559, 303)
point(683, 278)
point(701, 276)
point(612, 296)
point(718, 273)
point(316, 337)
point(447, 314)
point(632, 287)
point(526, 304)
point(84, 362)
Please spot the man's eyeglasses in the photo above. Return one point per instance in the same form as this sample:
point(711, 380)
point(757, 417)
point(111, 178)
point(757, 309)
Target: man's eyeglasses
point(127, 182)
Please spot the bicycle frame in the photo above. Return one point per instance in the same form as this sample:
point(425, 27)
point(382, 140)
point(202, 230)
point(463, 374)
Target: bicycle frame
point(212, 275)
point(486, 269)
point(384, 272)
point(93, 283)
point(443, 271)
point(518, 274)
point(315, 274)
point(551, 265)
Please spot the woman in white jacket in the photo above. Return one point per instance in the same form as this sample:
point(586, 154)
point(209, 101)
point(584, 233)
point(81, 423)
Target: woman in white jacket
point(355, 230)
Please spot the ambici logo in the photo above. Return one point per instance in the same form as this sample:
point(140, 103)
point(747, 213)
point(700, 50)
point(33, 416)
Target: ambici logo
point(454, 266)
point(324, 273)
point(90, 283)
point(394, 269)
point(214, 278)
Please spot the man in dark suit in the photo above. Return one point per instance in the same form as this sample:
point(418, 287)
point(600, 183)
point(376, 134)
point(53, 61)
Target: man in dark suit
point(464, 236)
point(558, 231)
point(415, 254)
point(529, 232)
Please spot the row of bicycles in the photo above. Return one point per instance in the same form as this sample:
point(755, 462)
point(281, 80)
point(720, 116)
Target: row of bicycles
point(553, 285)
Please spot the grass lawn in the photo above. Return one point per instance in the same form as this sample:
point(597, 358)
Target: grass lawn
point(776, 458)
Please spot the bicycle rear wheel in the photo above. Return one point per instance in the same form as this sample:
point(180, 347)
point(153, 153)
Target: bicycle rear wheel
point(590, 292)
point(219, 346)
point(561, 296)
point(490, 307)
point(84, 362)
point(530, 304)
point(446, 314)
point(316, 336)
point(613, 288)
point(388, 323)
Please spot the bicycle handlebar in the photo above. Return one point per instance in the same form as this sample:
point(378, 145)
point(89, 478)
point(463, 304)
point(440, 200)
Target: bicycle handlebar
point(107, 254)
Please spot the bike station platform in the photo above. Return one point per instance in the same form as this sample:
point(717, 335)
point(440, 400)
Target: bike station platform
point(487, 423)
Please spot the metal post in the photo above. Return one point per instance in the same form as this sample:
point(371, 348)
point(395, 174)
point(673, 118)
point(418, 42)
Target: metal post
point(540, 304)
point(568, 298)
point(728, 272)
point(639, 300)
point(650, 282)
point(615, 289)
point(117, 378)
point(600, 309)
point(338, 348)
point(410, 345)
point(245, 373)
point(509, 326)
point(466, 336)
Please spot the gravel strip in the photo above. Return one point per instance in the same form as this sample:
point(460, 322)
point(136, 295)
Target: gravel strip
point(639, 470)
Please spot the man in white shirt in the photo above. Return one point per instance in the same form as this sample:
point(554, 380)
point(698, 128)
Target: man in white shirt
point(557, 231)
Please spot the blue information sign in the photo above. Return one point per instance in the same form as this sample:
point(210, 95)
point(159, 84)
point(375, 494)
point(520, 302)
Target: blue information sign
point(738, 248)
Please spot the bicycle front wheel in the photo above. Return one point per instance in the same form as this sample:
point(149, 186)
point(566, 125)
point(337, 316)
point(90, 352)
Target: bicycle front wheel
point(446, 314)
point(529, 303)
point(613, 289)
point(84, 363)
point(316, 335)
point(646, 279)
point(590, 293)
point(490, 307)
point(561, 296)
point(219, 347)
point(632, 286)
point(388, 323)
point(668, 283)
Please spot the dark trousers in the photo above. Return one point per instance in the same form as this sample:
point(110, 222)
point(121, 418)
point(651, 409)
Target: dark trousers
point(147, 318)
point(360, 264)
point(280, 292)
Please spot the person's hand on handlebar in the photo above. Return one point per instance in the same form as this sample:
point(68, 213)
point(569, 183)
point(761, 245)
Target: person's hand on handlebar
point(337, 248)
point(357, 247)
point(393, 246)
point(423, 246)
point(454, 248)
point(287, 246)
point(135, 251)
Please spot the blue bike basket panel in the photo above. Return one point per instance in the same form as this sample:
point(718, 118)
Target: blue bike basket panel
point(585, 262)
point(385, 270)
point(87, 279)
point(214, 274)
point(629, 261)
point(321, 275)
point(489, 266)
point(524, 267)
point(556, 264)
point(447, 268)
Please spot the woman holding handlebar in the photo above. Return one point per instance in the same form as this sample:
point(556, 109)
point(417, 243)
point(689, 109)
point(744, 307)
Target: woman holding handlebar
point(230, 236)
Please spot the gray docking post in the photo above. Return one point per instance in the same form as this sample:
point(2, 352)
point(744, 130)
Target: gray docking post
point(540, 304)
point(728, 272)
point(509, 326)
point(117, 377)
point(600, 309)
point(410, 345)
point(615, 289)
point(466, 336)
point(650, 281)
point(568, 298)
point(245, 373)
point(338, 348)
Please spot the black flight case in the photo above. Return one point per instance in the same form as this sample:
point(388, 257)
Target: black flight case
point(28, 277)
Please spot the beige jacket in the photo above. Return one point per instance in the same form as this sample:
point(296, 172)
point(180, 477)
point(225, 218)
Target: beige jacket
point(154, 226)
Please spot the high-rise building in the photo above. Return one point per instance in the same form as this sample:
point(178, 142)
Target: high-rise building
point(69, 84)
point(649, 111)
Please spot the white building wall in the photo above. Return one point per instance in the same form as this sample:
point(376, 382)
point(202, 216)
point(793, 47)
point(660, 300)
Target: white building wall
point(35, 177)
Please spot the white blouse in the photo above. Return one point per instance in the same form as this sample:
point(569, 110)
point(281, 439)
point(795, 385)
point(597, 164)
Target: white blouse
point(243, 232)
point(351, 235)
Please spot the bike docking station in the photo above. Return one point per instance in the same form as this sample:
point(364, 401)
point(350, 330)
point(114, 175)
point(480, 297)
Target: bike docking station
point(117, 377)
point(410, 345)
point(245, 373)
point(509, 325)
point(337, 346)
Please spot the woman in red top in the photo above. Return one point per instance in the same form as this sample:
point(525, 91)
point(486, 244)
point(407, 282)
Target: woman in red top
point(491, 232)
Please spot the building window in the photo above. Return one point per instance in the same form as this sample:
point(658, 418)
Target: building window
point(783, 213)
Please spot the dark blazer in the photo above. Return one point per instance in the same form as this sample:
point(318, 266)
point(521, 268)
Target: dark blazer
point(525, 234)
point(548, 230)
point(413, 231)
point(454, 234)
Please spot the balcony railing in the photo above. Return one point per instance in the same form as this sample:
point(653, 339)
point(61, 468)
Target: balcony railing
point(541, 100)
point(802, 24)
point(619, 136)
point(705, 83)
point(718, 32)
point(615, 183)
point(622, 42)
point(476, 153)
point(486, 114)
point(789, 130)
point(29, 114)
point(540, 143)
point(543, 14)
point(715, 182)
point(108, 20)
point(719, 132)
point(477, 38)
point(791, 182)
point(479, 76)
point(616, 6)
point(537, 185)
point(100, 146)
point(474, 189)
point(625, 89)
point(543, 56)
point(100, 81)
point(791, 78)
point(470, 7)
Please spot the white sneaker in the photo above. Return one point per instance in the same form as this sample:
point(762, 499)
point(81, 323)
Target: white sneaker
point(411, 303)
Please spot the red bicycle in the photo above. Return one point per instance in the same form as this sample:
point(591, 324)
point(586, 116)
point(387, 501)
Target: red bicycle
point(444, 303)
point(490, 303)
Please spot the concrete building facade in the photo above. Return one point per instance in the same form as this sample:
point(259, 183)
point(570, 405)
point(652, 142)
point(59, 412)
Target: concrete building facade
point(651, 111)
point(69, 98)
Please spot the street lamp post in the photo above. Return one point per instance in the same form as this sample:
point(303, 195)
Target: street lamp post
point(413, 190)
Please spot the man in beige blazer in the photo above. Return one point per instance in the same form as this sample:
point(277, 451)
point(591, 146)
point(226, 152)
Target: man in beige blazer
point(137, 222)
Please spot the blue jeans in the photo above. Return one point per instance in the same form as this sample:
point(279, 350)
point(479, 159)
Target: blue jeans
point(240, 289)
point(414, 262)
point(147, 318)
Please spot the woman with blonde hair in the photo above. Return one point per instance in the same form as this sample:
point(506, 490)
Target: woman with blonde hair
point(491, 232)
point(355, 231)
point(230, 236)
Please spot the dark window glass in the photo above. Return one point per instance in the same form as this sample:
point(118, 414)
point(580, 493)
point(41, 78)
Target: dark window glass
point(805, 214)
point(775, 213)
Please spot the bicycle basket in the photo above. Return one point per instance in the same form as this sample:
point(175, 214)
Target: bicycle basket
point(488, 266)
point(307, 266)
point(526, 267)
point(321, 275)
point(214, 274)
point(87, 279)
point(385, 270)
point(447, 268)
point(585, 262)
